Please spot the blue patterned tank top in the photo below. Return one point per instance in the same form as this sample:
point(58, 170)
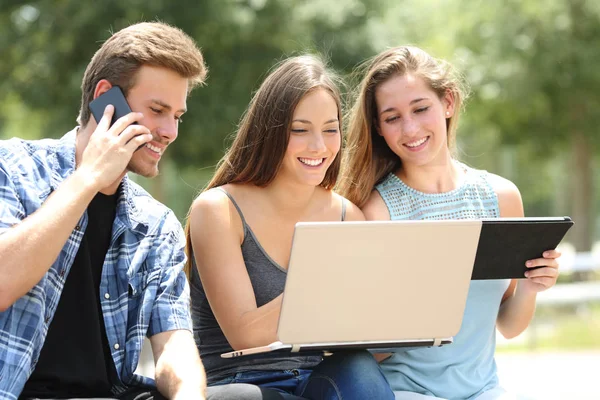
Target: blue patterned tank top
point(466, 368)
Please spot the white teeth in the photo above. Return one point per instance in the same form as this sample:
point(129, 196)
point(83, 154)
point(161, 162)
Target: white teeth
point(154, 148)
point(311, 161)
point(417, 143)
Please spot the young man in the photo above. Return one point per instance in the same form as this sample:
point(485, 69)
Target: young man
point(89, 262)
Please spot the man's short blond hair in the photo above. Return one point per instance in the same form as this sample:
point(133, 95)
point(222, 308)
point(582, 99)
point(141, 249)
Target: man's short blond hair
point(147, 43)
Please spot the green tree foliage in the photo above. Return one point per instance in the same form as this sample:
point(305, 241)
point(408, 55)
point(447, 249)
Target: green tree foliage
point(534, 66)
point(47, 44)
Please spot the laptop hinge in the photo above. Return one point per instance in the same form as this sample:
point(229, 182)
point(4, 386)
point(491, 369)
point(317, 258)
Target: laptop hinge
point(295, 348)
point(437, 342)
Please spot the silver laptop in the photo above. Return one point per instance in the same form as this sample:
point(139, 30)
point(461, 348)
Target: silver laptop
point(374, 285)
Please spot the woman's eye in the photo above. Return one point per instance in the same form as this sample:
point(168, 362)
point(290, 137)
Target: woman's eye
point(422, 109)
point(391, 119)
point(299, 130)
point(155, 110)
point(179, 119)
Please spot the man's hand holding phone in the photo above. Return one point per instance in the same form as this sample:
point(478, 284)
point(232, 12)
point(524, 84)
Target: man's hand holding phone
point(110, 148)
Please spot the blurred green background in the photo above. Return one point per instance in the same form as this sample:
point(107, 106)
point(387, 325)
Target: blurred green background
point(532, 66)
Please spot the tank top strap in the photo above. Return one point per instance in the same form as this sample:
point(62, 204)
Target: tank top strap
point(344, 204)
point(239, 210)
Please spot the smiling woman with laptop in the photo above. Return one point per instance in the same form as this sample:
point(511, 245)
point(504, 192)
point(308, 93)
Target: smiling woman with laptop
point(401, 168)
point(279, 170)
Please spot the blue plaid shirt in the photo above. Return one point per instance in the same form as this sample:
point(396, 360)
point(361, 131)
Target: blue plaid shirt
point(143, 290)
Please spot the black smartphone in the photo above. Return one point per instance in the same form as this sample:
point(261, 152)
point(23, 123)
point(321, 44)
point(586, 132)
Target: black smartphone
point(113, 96)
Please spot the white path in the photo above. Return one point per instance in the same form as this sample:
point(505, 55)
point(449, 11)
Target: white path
point(551, 376)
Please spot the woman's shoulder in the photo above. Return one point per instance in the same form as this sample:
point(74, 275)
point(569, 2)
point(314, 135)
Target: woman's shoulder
point(215, 211)
point(218, 202)
point(509, 196)
point(375, 208)
point(350, 210)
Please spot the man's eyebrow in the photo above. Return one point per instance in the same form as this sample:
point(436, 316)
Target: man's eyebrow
point(165, 105)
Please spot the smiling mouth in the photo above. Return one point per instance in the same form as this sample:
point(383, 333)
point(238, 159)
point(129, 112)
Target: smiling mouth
point(311, 162)
point(155, 149)
point(416, 143)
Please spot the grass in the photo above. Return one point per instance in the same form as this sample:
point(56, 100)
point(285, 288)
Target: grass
point(566, 328)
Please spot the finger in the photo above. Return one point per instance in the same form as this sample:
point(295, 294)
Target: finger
point(549, 272)
point(551, 254)
point(104, 122)
point(542, 262)
point(138, 141)
point(122, 123)
point(544, 281)
point(130, 132)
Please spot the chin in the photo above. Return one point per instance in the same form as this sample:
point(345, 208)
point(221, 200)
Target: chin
point(146, 171)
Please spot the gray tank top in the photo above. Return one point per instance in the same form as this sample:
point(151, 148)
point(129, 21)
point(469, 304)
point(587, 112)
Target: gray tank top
point(268, 281)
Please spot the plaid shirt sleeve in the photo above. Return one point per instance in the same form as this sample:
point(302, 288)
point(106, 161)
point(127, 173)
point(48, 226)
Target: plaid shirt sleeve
point(11, 208)
point(171, 309)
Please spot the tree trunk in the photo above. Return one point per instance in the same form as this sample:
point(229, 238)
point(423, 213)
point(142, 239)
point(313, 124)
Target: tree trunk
point(582, 191)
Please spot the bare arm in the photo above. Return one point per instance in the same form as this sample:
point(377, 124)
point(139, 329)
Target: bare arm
point(216, 231)
point(29, 248)
point(518, 303)
point(179, 373)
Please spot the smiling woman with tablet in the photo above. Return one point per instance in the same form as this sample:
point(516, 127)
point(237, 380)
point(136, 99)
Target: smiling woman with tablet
point(400, 166)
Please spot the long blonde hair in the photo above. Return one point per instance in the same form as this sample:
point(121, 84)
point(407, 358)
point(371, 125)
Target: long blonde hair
point(368, 158)
point(257, 152)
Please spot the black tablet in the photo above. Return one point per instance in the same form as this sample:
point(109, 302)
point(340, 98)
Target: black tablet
point(506, 243)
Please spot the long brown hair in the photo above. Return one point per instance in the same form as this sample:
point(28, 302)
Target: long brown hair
point(257, 152)
point(368, 158)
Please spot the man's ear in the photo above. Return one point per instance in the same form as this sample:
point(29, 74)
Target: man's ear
point(102, 86)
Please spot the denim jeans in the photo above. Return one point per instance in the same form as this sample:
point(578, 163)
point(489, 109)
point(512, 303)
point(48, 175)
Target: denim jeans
point(346, 375)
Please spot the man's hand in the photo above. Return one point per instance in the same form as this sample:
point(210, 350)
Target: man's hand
point(109, 150)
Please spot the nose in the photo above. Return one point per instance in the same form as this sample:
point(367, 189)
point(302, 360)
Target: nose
point(317, 143)
point(410, 127)
point(168, 130)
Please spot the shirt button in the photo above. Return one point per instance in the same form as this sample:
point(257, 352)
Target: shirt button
point(116, 346)
point(106, 296)
point(62, 273)
point(77, 227)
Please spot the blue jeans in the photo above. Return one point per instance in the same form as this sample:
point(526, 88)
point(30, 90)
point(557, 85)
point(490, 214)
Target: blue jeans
point(346, 375)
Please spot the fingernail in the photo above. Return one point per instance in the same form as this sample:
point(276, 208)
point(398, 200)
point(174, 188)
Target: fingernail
point(546, 254)
point(527, 274)
point(528, 263)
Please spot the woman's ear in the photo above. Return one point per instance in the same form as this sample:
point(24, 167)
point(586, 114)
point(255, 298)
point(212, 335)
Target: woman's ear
point(449, 103)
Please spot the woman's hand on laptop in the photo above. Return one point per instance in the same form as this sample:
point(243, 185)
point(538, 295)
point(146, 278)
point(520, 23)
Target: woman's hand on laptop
point(542, 273)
